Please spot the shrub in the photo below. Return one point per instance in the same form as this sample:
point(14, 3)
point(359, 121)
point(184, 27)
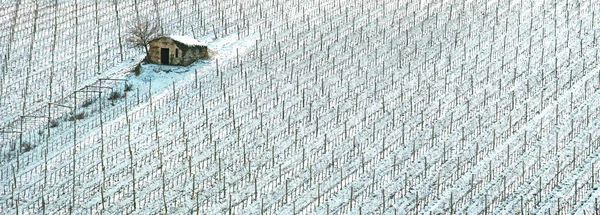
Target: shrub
point(137, 70)
point(88, 102)
point(128, 87)
point(77, 116)
point(53, 123)
point(115, 95)
point(26, 146)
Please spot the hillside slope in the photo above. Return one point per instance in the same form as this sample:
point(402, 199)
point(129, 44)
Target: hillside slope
point(310, 107)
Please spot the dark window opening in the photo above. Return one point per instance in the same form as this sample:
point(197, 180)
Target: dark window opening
point(176, 52)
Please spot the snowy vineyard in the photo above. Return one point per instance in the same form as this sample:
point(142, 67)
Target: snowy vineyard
point(310, 107)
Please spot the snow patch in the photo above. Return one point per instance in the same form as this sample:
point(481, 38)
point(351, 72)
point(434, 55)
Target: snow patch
point(187, 40)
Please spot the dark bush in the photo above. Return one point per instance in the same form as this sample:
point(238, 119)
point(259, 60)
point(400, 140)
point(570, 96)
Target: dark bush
point(53, 123)
point(26, 146)
point(128, 87)
point(137, 70)
point(115, 95)
point(77, 116)
point(88, 102)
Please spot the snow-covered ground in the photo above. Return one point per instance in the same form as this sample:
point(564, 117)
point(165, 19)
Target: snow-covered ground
point(310, 107)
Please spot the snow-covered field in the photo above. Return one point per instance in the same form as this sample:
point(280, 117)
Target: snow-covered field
point(310, 107)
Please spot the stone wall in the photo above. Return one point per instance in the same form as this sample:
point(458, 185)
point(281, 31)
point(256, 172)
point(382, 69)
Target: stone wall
point(155, 51)
point(186, 55)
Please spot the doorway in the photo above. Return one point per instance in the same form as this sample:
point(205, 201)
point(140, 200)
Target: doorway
point(164, 56)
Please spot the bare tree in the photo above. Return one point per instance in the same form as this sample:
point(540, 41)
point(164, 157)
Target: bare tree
point(141, 32)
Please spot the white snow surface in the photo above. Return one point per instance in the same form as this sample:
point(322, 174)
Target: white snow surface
point(187, 40)
point(309, 107)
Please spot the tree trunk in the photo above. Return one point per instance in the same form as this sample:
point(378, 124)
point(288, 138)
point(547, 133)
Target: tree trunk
point(147, 58)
